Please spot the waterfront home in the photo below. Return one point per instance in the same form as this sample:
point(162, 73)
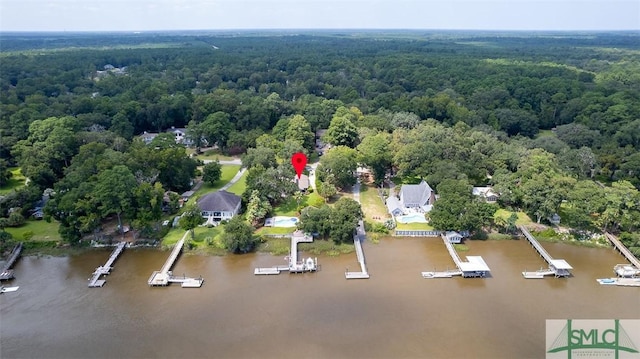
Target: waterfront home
point(485, 193)
point(417, 197)
point(218, 206)
point(302, 182)
point(394, 206)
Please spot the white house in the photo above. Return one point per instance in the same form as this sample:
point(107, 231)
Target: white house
point(413, 198)
point(219, 206)
point(453, 237)
point(181, 136)
point(487, 193)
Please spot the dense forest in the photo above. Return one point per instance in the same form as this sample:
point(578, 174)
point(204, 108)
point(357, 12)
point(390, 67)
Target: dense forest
point(551, 120)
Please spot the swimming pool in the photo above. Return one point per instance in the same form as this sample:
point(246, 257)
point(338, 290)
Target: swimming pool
point(280, 221)
point(412, 218)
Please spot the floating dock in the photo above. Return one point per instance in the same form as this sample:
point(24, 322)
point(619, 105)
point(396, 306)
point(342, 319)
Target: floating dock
point(164, 276)
point(295, 265)
point(7, 273)
point(475, 266)
point(624, 270)
point(624, 282)
point(95, 281)
point(557, 267)
point(4, 289)
point(357, 242)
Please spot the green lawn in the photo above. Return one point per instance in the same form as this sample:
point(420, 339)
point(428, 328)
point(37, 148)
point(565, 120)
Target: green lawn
point(275, 230)
point(228, 171)
point(239, 187)
point(290, 206)
point(211, 155)
point(372, 205)
point(523, 218)
point(16, 181)
point(42, 230)
point(414, 226)
point(203, 236)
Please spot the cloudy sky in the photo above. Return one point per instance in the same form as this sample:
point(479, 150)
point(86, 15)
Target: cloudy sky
point(142, 15)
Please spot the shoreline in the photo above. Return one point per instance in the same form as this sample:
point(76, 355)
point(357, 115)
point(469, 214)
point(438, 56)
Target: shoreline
point(273, 246)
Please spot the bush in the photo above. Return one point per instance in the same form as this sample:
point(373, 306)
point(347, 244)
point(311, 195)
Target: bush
point(27, 235)
point(15, 219)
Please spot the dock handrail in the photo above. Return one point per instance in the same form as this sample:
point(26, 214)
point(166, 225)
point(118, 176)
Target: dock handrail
point(534, 242)
point(623, 249)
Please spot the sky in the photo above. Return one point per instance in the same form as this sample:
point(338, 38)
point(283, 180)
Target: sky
point(147, 15)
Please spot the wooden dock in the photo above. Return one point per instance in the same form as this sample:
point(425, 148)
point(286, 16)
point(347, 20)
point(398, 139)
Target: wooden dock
point(95, 281)
point(623, 282)
point(557, 267)
point(7, 273)
point(475, 266)
point(623, 270)
point(357, 242)
point(295, 265)
point(164, 276)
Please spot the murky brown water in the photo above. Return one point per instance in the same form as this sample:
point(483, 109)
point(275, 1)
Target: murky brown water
point(394, 314)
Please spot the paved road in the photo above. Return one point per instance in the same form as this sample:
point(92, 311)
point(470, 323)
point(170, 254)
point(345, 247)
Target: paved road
point(312, 175)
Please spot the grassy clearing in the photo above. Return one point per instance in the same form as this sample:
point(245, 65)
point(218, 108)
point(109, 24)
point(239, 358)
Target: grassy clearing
point(206, 239)
point(499, 236)
point(414, 227)
point(275, 246)
point(16, 181)
point(327, 247)
point(372, 205)
point(240, 186)
point(228, 171)
point(523, 218)
point(41, 231)
point(275, 230)
point(211, 155)
point(280, 246)
point(461, 247)
point(290, 206)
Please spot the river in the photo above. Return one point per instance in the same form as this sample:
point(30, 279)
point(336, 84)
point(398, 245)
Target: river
point(235, 314)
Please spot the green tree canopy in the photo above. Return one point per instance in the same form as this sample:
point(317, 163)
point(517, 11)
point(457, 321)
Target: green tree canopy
point(238, 236)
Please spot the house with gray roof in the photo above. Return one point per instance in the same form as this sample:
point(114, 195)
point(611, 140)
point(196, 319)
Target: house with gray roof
point(302, 182)
point(219, 206)
point(420, 197)
point(147, 137)
point(394, 206)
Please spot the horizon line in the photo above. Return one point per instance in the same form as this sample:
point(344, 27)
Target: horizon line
point(321, 29)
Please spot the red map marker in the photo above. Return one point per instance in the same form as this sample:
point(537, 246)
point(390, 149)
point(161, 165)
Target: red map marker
point(299, 161)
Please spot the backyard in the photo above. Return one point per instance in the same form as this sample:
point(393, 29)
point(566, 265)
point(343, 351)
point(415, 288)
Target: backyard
point(36, 230)
point(372, 205)
point(16, 181)
point(228, 171)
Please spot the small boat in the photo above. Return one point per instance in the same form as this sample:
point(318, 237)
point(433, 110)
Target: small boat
point(607, 281)
point(8, 289)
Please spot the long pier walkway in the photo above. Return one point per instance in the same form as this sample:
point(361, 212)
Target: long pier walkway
point(357, 242)
point(7, 272)
point(624, 270)
point(360, 236)
point(557, 267)
point(295, 265)
point(164, 276)
point(95, 281)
